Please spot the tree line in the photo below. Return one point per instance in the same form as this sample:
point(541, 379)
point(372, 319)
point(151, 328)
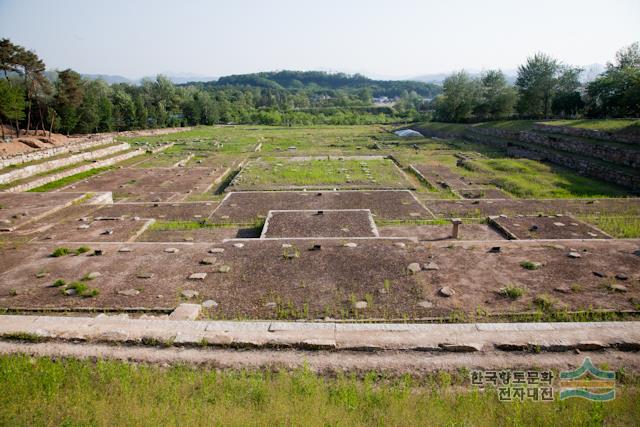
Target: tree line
point(544, 88)
point(32, 99)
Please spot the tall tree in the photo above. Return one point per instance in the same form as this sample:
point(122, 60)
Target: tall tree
point(616, 92)
point(536, 84)
point(68, 98)
point(11, 104)
point(496, 97)
point(459, 96)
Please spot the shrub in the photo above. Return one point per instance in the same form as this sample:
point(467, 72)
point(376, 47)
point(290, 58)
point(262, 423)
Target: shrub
point(58, 252)
point(528, 265)
point(58, 283)
point(512, 292)
point(544, 302)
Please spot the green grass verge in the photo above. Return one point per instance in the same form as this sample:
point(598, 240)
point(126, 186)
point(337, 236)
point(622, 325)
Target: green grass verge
point(509, 125)
point(527, 178)
point(68, 392)
point(69, 180)
point(281, 173)
point(623, 227)
point(608, 125)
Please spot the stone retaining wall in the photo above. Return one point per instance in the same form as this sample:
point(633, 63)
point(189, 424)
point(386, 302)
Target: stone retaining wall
point(581, 165)
point(31, 170)
point(36, 155)
point(541, 147)
point(50, 178)
point(626, 157)
point(588, 133)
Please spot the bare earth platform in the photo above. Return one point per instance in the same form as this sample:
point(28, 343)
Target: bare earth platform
point(547, 227)
point(319, 224)
point(251, 278)
point(17, 209)
point(384, 204)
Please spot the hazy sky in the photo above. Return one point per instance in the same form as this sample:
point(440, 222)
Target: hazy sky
point(388, 38)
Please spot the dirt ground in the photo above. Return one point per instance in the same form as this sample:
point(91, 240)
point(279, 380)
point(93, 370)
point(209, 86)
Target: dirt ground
point(441, 232)
point(183, 211)
point(31, 141)
point(484, 208)
point(248, 206)
point(442, 176)
point(483, 193)
point(200, 235)
point(17, 209)
point(149, 184)
point(320, 223)
point(548, 227)
point(261, 283)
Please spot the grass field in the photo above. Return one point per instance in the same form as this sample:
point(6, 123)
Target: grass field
point(40, 391)
point(623, 227)
point(532, 179)
point(278, 172)
point(608, 125)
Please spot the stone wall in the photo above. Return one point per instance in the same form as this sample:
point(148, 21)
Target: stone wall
point(588, 133)
point(84, 143)
point(54, 177)
point(31, 170)
point(540, 146)
point(37, 155)
point(610, 153)
point(579, 164)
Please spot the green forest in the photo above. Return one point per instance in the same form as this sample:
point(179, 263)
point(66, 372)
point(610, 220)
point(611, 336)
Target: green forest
point(63, 101)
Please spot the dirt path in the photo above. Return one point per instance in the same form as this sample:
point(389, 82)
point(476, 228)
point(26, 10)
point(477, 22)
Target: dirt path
point(397, 362)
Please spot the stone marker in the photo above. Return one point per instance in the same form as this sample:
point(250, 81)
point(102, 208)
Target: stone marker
point(224, 269)
point(414, 268)
point(350, 245)
point(238, 245)
point(144, 275)
point(271, 305)
point(618, 288)
point(198, 276)
point(455, 223)
point(125, 250)
point(400, 244)
point(209, 304)
point(171, 250)
point(208, 261)
point(129, 292)
point(186, 312)
point(574, 255)
point(360, 305)
point(188, 293)
point(430, 266)
point(621, 276)
point(563, 289)
point(447, 292)
point(93, 275)
point(425, 304)
point(83, 226)
point(216, 250)
point(599, 274)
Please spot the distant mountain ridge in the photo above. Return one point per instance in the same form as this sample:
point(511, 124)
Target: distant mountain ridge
point(319, 81)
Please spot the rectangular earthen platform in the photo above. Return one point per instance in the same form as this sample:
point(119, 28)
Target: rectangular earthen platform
point(319, 223)
point(247, 207)
point(253, 279)
point(546, 227)
point(18, 209)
